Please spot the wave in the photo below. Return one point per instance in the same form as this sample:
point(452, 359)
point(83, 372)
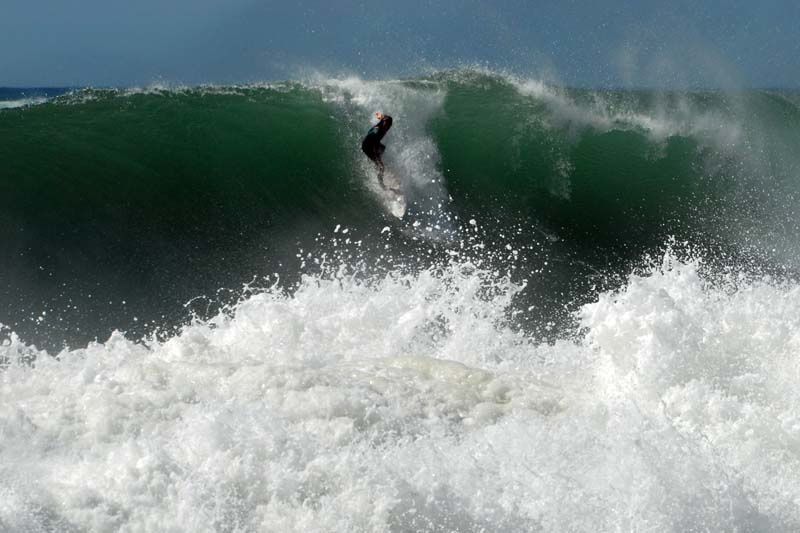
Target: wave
point(118, 206)
point(586, 320)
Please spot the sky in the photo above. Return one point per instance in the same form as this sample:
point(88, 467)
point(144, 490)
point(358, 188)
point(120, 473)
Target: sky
point(623, 43)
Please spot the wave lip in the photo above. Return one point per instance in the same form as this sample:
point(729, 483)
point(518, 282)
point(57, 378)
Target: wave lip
point(24, 102)
point(12, 98)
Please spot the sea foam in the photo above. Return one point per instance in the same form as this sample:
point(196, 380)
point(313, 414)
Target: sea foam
point(410, 403)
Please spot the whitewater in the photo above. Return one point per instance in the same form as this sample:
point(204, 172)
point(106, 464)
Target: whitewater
point(407, 405)
point(588, 320)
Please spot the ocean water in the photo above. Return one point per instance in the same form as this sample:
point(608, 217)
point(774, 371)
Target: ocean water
point(587, 320)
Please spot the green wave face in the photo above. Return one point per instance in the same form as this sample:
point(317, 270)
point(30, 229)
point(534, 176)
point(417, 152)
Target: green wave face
point(116, 207)
point(622, 168)
point(161, 197)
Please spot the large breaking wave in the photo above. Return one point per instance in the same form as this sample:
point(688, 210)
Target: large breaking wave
point(586, 320)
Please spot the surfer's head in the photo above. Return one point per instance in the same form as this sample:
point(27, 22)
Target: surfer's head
point(378, 115)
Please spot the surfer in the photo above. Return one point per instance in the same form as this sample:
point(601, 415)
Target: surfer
point(372, 145)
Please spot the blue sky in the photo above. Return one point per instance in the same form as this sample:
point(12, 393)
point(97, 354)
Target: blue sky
point(623, 43)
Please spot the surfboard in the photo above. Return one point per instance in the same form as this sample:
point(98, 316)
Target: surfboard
point(392, 195)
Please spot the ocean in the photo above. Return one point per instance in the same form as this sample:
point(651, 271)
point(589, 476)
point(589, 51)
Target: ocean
point(587, 319)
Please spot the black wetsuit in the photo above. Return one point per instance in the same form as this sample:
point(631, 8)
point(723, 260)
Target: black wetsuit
point(372, 145)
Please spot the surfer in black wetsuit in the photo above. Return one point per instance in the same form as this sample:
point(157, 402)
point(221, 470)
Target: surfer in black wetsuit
point(372, 145)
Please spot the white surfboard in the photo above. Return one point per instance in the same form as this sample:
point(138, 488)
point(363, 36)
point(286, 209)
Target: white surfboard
point(391, 194)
